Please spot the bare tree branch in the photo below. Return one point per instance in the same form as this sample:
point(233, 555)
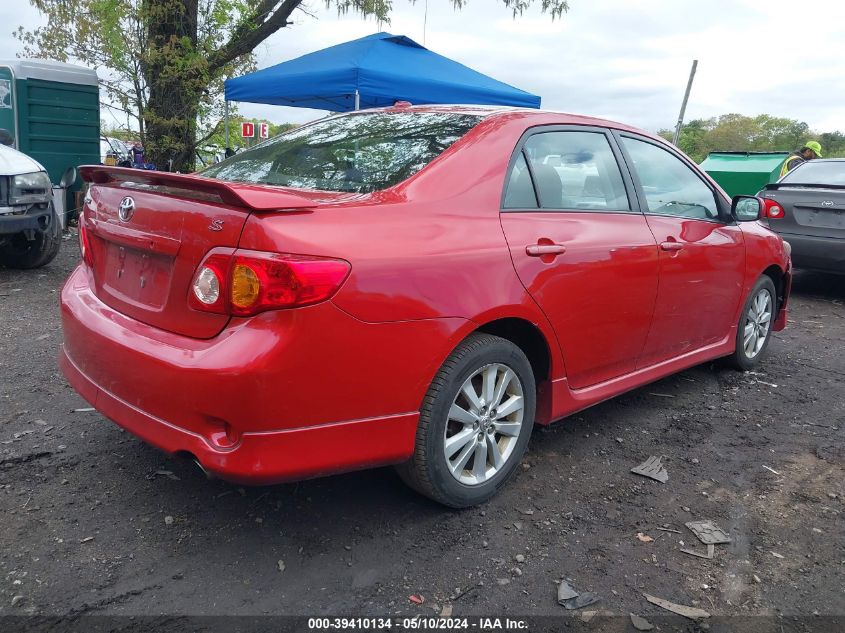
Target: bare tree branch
point(250, 32)
point(213, 130)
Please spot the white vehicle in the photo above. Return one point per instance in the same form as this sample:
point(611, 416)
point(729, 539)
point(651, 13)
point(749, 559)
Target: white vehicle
point(115, 149)
point(30, 231)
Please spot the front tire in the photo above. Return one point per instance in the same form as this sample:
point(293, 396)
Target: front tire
point(22, 253)
point(475, 423)
point(754, 330)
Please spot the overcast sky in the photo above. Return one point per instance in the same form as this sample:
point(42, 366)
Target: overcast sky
point(626, 60)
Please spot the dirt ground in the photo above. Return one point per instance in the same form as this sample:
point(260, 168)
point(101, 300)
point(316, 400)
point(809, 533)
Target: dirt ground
point(93, 521)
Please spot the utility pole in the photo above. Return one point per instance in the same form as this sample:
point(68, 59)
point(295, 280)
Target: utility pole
point(677, 135)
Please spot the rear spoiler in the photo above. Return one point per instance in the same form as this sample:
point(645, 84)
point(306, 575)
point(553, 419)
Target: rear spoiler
point(251, 197)
point(773, 186)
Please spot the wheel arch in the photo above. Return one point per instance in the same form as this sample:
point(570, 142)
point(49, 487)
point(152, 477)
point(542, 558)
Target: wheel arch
point(539, 345)
point(526, 336)
point(778, 277)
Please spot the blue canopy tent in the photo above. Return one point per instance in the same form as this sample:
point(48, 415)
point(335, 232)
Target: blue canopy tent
point(370, 72)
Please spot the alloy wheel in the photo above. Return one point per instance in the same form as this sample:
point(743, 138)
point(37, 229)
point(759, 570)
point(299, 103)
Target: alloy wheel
point(484, 423)
point(758, 320)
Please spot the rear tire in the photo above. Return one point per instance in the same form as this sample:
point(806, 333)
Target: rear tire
point(19, 252)
point(754, 330)
point(475, 423)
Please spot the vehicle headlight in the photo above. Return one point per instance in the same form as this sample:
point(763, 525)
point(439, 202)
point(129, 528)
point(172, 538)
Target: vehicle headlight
point(30, 188)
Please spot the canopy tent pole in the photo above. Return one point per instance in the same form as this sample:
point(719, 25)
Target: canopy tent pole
point(357, 100)
point(226, 122)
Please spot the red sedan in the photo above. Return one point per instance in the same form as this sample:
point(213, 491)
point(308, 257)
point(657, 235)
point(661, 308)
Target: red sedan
point(415, 286)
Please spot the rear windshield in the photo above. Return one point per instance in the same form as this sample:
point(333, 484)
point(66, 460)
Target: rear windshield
point(817, 173)
point(359, 152)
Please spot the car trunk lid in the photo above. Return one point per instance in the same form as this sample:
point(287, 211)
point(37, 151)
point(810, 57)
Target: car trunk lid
point(149, 231)
point(813, 211)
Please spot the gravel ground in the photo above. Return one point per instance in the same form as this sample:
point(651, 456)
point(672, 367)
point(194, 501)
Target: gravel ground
point(96, 522)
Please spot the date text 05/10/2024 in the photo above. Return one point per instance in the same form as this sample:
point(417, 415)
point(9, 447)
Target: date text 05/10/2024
point(417, 624)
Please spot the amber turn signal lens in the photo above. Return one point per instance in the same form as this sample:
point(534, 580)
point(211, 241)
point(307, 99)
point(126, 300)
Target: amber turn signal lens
point(245, 286)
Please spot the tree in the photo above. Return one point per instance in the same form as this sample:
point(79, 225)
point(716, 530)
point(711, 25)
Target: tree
point(118, 132)
point(739, 133)
point(164, 61)
point(833, 144)
point(692, 140)
point(779, 132)
point(733, 133)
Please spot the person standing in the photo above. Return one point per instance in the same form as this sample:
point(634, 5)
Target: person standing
point(810, 151)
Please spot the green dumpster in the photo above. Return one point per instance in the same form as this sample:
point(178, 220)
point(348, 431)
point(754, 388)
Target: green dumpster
point(744, 173)
point(52, 110)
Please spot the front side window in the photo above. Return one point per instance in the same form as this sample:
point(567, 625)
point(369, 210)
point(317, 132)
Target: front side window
point(669, 185)
point(357, 153)
point(576, 170)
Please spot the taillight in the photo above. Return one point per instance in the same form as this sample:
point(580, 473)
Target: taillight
point(248, 282)
point(265, 281)
point(772, 209)
point(84, 241)
point(208, 291)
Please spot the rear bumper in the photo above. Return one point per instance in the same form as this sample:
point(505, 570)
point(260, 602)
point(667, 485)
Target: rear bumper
point(817, 253)
point(278, 397)
point(265, 457)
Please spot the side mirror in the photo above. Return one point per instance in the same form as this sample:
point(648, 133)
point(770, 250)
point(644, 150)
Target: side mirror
point(747, 208)
point(68, 178)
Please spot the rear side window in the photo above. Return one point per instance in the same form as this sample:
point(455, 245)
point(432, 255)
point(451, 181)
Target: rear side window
point(669, 185)
point(356, 153)
point(815, 172)
point(576, 170)
point(519, 193)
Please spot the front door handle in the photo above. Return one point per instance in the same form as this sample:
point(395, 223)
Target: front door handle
point(539, 250)
point(671, 246)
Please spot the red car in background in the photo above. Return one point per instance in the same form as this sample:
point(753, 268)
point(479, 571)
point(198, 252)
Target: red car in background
point(414, 286)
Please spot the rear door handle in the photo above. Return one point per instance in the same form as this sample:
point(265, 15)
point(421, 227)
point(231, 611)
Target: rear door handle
point(538, 250)
point(671, 246)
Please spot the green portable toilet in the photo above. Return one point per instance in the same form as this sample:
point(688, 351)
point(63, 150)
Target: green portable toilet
point(744, 173)
point(52, 110)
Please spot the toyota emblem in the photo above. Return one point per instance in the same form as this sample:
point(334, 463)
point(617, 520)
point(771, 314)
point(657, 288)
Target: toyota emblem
point(126, 209)
point(827, 203)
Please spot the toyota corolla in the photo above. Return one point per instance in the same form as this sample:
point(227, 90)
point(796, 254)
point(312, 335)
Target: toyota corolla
point(415, 286)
